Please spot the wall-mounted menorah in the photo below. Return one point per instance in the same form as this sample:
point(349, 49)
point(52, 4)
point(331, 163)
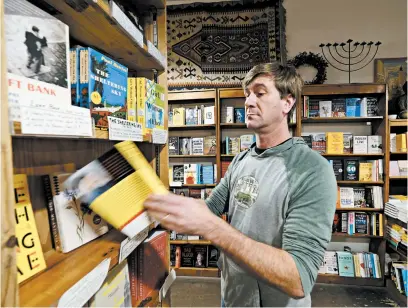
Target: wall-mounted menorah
point(350, 57)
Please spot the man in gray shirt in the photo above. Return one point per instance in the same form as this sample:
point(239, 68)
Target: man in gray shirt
point(281, 197)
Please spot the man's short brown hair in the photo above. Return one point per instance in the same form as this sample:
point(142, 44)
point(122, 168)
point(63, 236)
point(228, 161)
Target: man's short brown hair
point(287, 80)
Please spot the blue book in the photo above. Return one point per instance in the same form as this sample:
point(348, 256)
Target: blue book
point(74, 72)
point(208, 174)
point(346, 263)
point(353, 106)
point(102, 87)
point(239, 115)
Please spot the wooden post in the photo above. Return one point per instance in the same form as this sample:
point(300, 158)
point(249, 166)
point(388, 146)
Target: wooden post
point(8, 240)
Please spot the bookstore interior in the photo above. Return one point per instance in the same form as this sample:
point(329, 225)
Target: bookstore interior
point(128, 98)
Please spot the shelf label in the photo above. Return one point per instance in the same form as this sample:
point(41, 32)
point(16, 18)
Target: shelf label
point(83, 290)
point(159, 136)
point(47, 119)
point(124, 130)
point(130, 244)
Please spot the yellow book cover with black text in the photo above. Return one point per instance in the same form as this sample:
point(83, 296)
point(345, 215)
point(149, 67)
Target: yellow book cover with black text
point(334, 143)
point(116, 185)
point(366, 172)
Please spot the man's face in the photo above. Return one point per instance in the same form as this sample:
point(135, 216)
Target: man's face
point(263, 106)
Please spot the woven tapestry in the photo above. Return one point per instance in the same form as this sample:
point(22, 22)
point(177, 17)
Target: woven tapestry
point(213, 45)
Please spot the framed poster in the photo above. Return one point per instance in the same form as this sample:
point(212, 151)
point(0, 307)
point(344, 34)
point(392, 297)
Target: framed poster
point(393, 72)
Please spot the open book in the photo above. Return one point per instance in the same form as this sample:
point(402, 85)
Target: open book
point(115, 186)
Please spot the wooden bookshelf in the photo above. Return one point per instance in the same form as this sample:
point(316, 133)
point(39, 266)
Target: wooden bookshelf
point(341, 120)
point(398, 178)
point(353, 155)
point(361, 182)
point(359, 281)
point(190, 156)
point(195, 127)
point(359, 209)
point(193, 185)
point(399, 123)
point(233, 125)
point(198, 272)
point(356, 235)
point(192, 242)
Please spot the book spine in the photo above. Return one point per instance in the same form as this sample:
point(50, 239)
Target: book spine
point(131, 100)
point(141, 97)
point(133, 277)
point(51, 212)
point(74, 65)
point(84, 91)
point(140, 261)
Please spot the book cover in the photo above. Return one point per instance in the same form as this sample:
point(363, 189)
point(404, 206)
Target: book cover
point(334, 143)
point(339, 107)
point(246, 142)
point(359, 197)
point(187, 256)
point(230, 115)
point(337, 165)
point(178, 173)
point(239, 115)
point(115, 291)
point(144, 92)
point(190, 118)
point(347, 143)
point(173, 145)
point(74, 73)
point(210, 143)
point(179, 116)
point(375, 144)
point(314, 108)
point(197, 146)
point(319, 142)
point(103, 86)
point(351, 169)
point(361, 224)
point(325, 109)
point(190, 174)
point(38, 53)
point(345, 263)
point(360, 145)
point(209, 115)
point(365, 172)
point(213, 255)
point(185, 146)
point(154, 107)
point(346, 197)
point(353, 107)
point(121, 177)
point(200, 256)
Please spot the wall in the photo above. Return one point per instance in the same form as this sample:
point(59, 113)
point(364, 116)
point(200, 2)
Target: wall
point(312, 22)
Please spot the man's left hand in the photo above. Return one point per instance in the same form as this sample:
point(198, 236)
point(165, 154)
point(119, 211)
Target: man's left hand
point(181, 214)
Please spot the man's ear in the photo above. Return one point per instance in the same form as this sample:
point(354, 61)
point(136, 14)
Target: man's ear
point(289, 102)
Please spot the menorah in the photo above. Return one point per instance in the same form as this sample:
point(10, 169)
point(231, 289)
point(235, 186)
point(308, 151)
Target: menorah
point(357, 59)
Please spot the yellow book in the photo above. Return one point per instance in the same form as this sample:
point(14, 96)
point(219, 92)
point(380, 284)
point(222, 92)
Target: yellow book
point(401, 140)
point(366, 172)
point(131, 100)
point(381, 224)
point(334, 143)
point(116, 185)
point(179, 117)
point(30, 257)
point(145, 87)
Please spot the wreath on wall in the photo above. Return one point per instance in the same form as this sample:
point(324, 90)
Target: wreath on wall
point(313, 60)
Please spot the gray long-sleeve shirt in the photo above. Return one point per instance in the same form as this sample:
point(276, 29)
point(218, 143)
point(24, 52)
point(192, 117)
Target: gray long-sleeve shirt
point(284, 197)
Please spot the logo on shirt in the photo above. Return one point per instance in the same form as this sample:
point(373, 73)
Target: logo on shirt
point(246, 191)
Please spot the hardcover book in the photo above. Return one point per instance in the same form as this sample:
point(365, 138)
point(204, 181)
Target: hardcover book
point(360, 145)
point(325, 109)
point(37, 47)
point(375, 144)
point(187, 256)
point(351, 169)
point(210, 144)
point(339, 107)
point(173, 145)
point(334, 143)
point(115, 185)
point(200, 256)
point(132, 99)
point(102, 86)
point(345, 263)
point(213, 255)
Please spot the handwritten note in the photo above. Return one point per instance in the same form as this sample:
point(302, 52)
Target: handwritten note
point(159, 136)
point(129, 244)
point(84, 289)
point(47, 119)
point(124, 130)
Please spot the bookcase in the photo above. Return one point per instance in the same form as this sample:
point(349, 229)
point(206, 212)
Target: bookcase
point(91, 23)
point(301, 125)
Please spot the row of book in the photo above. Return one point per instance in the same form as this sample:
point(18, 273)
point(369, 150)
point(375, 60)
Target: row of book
point(192, 145)
point(196, 193)
point(102, 85)
point(398, 167)
point(399, 274)
point(197, 115)
point(398, 142)
point(343, 143)
point(190, 174)
point(357, 170)
point(358, 223)
point(340, 107)
point(360, 197)
point(351, 264)
point(231, 114)
point(235, 145)
point(199, 256)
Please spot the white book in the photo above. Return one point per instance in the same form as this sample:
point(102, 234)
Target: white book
point(374, 144)
point(325, 109)
point(209, 115)
point(393, 142)
point(330, 260)
point(346, 197)
point(77, 224)
point(230, 115)
point(360, 144)
point(363, 107)
point(197, 146)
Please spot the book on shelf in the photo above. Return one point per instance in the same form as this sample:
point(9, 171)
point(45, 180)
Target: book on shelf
point(29, 256)
point(115, 185)
point(102, 86)
point(72, 224)
point(399, 275)
point(358, 222)
point(38, 57)
point(398, 168)
point(131, 103)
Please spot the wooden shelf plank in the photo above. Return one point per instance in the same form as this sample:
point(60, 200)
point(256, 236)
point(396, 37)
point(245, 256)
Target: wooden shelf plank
point(193, 271)
point(94, 26)
point(338, 234)
point(353, 155)
point(328, 278)
point(193, 242)
point(398, 177)
point(47, 287)
point(399, 153)
point(190, 96)
point(190, 156)
point(341, 120)
point(193, 185)
point(361, 182)
point(228, 155)
point(232, 93)
point(360, 209)
point(401, 122)
point(343, 89)
point(192, 127)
